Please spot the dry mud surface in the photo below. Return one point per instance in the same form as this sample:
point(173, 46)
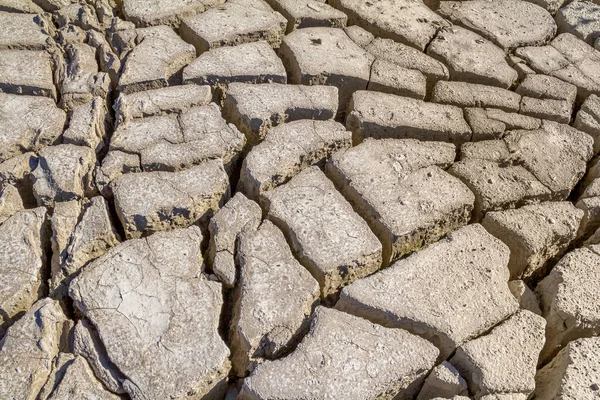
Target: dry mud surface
point(299, 199)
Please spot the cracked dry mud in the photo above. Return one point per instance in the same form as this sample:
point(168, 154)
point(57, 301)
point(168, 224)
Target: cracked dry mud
point(299, 199)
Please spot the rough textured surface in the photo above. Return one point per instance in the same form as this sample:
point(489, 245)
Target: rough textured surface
point(155, 61)
point(328, 237)
point(10, 202)
point(164, 12)
point(572, 374)
point(254, 109)
point(468, 261)
point(180, 141)
point(23, 32)
point(408, 57)
point(162, 101)
point(507, 23)
point(382, 115)
point(22, 259)
point(159, 308)
point(471, 58)
point(237, 214)
point(398, 186)
point(568, 299)
point(192, 182)
point(569, 59)
point(287, 150)
point(405, 21)
point(74, 377)
point(63, 173)
point(444, 380)
point(235, 22)
point(171, 199)
point(253, 62)
point(28, 349)
point(588, 120)
point(463, 94)
point(392, 78)
point(535, 234)
point(308, 13)
point(400, 359)
point(326, 56)
point(26, 72)
point(504, 360)
point(43, 127)
point(275, 297)
point(581, 18)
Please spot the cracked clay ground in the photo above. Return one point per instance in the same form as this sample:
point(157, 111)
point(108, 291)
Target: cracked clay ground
point(299, 199)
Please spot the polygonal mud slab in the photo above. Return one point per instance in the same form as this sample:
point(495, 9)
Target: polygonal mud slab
point(328, 237)
point(17, 172)
point(491, 123)
point(115, 164)
point(581, 18)
point(71, 376)
point(254, 109)
point(525, 296)
point(10, 202)
point(588, 120)
point(64, 173)
point(275, 296)
point(81, 80)
point(507, 23)
point(235, 22)
point(42, 126)
point(569, 298)
point(444, 380)
point(391, 78)
point(25, 239)
point(535, 234)
point(498, 186)
point(23, 32)
point(400, 190)
point(156, 61)
point(505, 359)
point(548, 109)
point(385, 363)
point(84, 341)
point(406, 21)
point(147, 202)
point(382, 115)
point(308, 13)
point(471, 58)
point(254, 62)
point(27, 72)
point(538, 151)
point(237, 214)
point(79, 236)
point(326, 56)
point(164, 12)
point(408, 57)
point(547, 87)
point(28, 349)
point(177, 142)
point(569, 59)
point(88, 125)
point(464, 94)
point(149, 302)
point(470, 274)
point(572, 374)
point(169, 100)
point(20, 6)
point(287, 150)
